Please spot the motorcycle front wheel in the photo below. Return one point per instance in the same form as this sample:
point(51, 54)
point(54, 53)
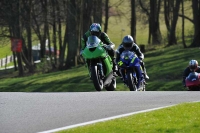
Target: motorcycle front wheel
point(97, 81)
point(131, 83)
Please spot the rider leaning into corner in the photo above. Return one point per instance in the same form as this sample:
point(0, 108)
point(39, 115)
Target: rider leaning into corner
point(95, 30)
point(128, 44)
point(192, 67)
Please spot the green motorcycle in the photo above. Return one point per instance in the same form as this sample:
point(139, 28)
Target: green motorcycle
point(99, 64)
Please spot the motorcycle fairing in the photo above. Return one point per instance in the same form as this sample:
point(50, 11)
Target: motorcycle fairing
point(94, 48)
point(193, 79)
point(128, 58)
point(95, 51)
point(91, 53)
point(108, 65)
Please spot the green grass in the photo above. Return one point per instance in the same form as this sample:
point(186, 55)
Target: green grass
point(164, 66)
point(5, 47)
point(183, 118)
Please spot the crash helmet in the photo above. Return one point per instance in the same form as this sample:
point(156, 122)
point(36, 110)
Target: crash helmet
point(193, 65)
point(128, 42)
point(95, 29)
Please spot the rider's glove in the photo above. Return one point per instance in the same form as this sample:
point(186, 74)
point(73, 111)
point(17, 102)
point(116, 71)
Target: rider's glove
point(141, 58)
point(108, 47)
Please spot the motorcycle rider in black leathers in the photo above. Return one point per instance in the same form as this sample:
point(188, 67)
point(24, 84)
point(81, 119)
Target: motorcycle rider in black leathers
point(192, 67)
point(95, 29)
point(128, 44)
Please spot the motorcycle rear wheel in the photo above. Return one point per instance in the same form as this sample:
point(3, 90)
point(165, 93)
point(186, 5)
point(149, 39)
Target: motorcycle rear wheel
point(97, 81)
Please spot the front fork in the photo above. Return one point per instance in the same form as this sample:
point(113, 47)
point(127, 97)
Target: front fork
point(99, 68)
point(136, 74)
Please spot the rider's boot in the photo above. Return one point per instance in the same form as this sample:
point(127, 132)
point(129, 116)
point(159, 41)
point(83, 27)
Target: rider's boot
point(145, 74)
point(115, 68)
point(139, 77)
point(144, 70)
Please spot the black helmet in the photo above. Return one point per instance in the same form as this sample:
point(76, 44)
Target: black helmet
point(95, 29)
point(128, 42)
point(193, 65)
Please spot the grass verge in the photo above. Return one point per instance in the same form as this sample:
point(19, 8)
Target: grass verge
point(183, 118)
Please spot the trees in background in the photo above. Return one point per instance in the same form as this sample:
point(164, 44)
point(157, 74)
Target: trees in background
point(133, 19)
point(63, 22)
point(172, 29)
point(154, 21)
point(196, 20)
point(152, 10)
point(73, 31)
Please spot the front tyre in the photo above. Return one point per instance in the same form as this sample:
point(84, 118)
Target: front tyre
point(97, 81)
point(131, 83)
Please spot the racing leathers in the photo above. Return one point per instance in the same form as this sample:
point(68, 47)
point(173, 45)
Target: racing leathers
point(137, 51)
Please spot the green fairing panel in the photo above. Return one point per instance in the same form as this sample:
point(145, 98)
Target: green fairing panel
point(108, 63)
point(94, 54)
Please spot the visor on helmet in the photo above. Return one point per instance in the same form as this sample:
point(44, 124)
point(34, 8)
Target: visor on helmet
point(193, 67)
point(127, 46)
point(95, 33)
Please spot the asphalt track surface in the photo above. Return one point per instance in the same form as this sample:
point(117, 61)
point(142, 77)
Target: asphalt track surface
point(40, 112)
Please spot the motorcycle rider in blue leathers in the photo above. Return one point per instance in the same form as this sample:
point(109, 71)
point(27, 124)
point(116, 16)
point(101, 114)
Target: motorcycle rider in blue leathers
point(128, 44)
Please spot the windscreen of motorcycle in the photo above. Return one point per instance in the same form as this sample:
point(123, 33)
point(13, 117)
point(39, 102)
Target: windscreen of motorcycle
point(92, 42)
point(193, 76)
point(127, 55)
